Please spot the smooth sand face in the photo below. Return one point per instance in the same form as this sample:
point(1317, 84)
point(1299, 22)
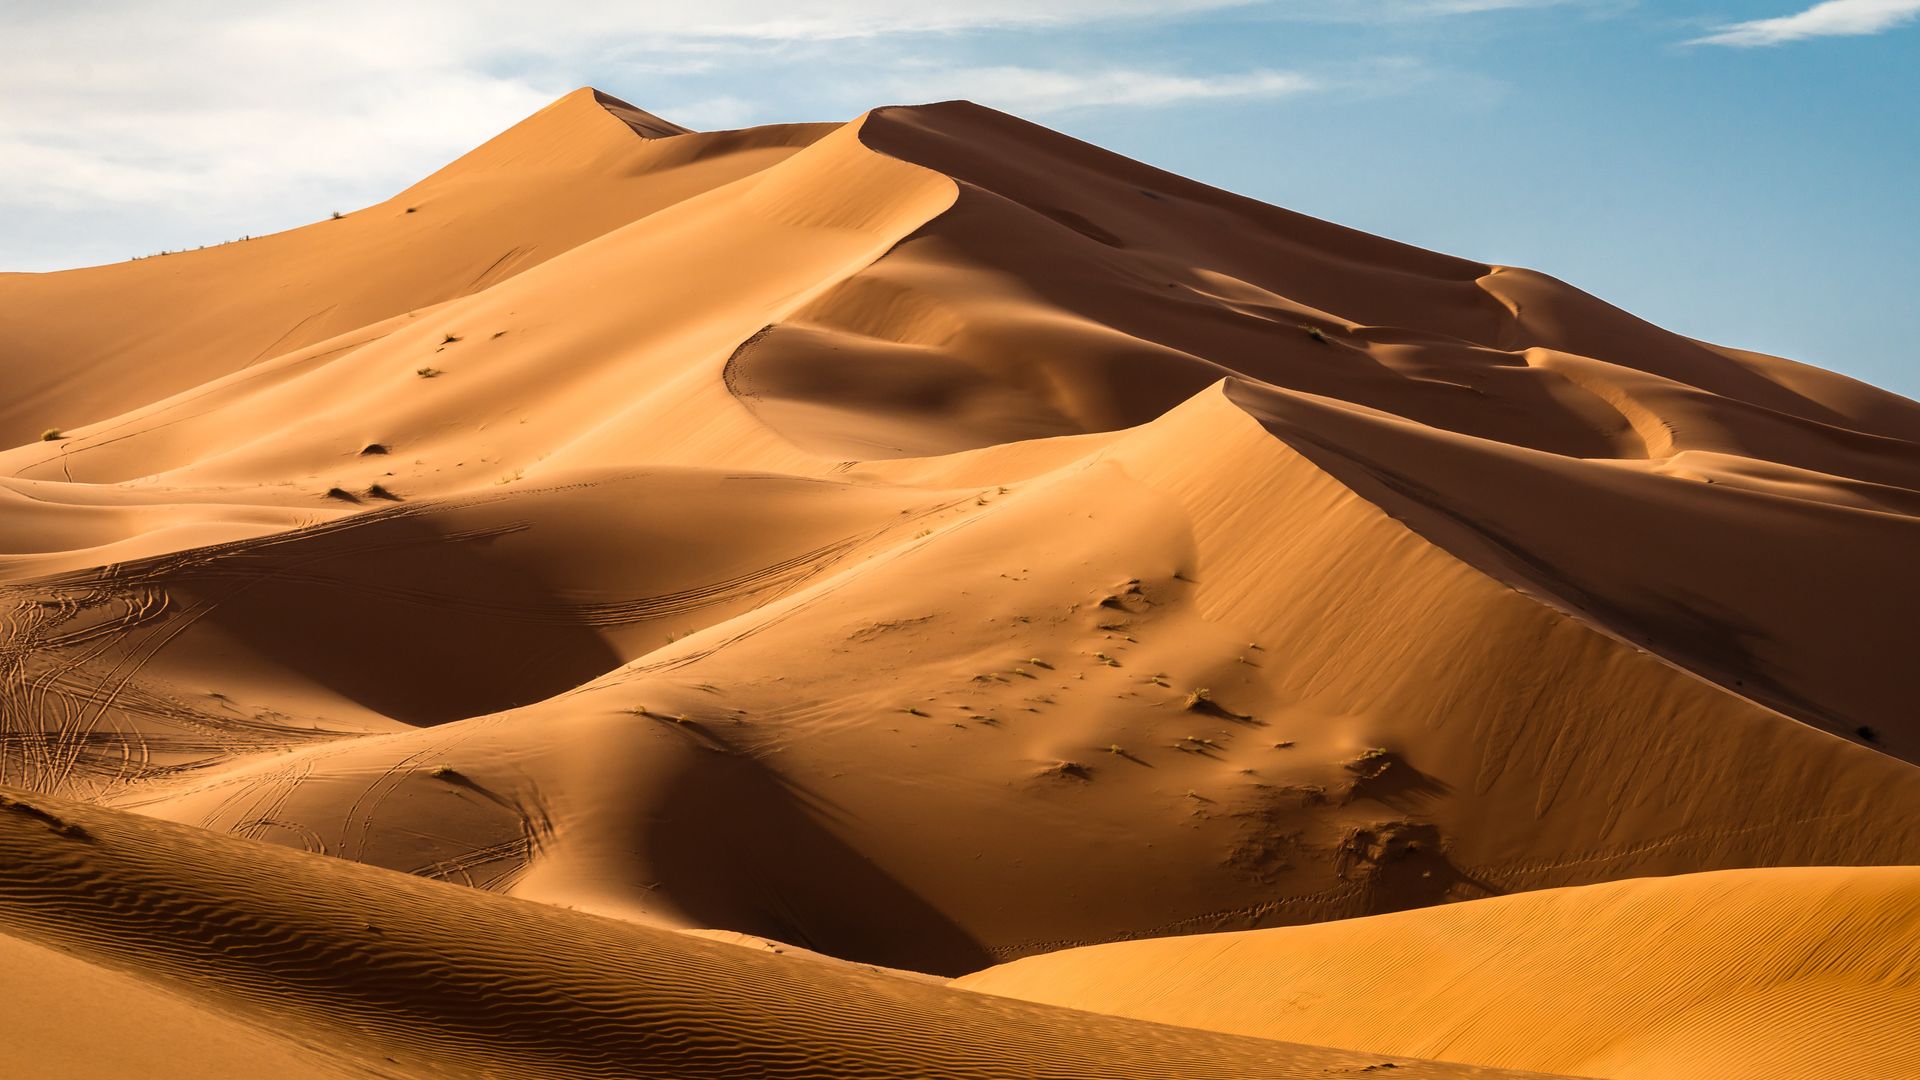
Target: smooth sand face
point(930, 542)
point(1786, 972)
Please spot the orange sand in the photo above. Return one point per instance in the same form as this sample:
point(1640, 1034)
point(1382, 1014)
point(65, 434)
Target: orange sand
point(929, 541)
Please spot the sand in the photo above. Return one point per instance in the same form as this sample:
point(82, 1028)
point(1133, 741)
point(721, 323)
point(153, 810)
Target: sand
point(364, 972)
point(926, 542)
point(1795, 971)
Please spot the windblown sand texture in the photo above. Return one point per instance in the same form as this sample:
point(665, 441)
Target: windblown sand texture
point(904, 547)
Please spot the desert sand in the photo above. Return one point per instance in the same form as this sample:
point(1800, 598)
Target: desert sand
point(755, 576)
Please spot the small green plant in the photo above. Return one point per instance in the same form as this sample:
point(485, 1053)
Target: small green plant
point(428, 372)
point(342, 494)
point(379, 491)
point(914, 710)
point(1314, 332)
point(445, 772)
point(337, 215)
point(52, 434)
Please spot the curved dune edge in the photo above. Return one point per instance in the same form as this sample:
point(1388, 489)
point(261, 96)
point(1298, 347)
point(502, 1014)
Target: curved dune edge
point(387, 975)
point(1597, 461)
point(1787, 972)
point(1388, 726)
point(931, 541)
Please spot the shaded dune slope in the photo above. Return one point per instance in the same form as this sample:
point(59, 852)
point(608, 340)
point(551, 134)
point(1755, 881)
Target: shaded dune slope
point(931, 541)
point(1780, 973)
point(1372, 739)
point(386, 975)
point(1071, 290)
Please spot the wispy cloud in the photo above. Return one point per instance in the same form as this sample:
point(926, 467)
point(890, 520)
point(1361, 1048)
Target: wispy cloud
point(1834, 18)
point(132, 126)
point(1041, 91)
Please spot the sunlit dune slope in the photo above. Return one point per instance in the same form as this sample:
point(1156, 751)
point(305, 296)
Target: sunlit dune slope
point(1791, 972)
point(890, 699)
point(340, 969)
point(930, 541)
point(85, 345)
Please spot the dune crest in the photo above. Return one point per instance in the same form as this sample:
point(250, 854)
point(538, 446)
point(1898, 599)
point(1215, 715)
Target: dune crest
point(1787, 972)
point(931, 541)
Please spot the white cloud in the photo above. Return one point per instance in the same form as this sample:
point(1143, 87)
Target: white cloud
point(1039, 91)
point(1834, 18)
point(130, 126)
point(713, 114)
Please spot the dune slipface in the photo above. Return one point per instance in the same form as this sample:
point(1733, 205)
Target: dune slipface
point(907, 546)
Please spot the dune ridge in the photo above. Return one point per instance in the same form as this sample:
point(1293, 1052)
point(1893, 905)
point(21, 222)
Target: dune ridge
point(394, 976)
point(1790, 971)
point(930, 541)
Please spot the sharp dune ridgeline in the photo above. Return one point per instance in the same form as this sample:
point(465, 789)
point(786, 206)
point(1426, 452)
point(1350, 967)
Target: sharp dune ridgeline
point(645, 602)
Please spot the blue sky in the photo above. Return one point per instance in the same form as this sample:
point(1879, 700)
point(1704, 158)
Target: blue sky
point(1744, 171)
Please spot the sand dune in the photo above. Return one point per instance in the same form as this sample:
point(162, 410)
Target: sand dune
point(929, 541)
point(392, 976)
point(1783, 972)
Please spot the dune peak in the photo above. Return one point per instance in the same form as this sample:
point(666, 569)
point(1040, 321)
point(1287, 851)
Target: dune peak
point(644, 601)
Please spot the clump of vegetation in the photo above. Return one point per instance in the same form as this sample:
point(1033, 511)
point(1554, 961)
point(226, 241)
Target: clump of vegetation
point(1371, 763)
point(428, 372)
point(450, 339)
point(446, 772)
point(1314, 332)
point(1200, 700)
point(373, 448)
point(342, 494)
point(52, 434)
point(1868, 733)
point(914, 710)
point(379, 491)
point(337, 215)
